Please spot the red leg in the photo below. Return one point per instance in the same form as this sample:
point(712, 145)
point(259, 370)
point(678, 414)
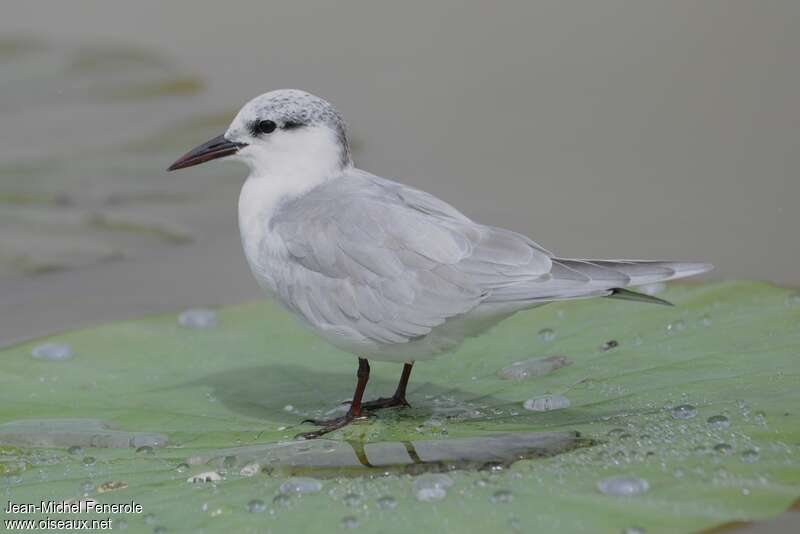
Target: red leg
point(355, 411)
point(399, 397)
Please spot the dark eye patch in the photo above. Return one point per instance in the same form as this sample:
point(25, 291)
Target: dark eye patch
point(292, 125)
point(263, 127)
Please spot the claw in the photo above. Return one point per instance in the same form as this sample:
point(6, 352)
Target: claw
point(327, 426)
point(390, 402)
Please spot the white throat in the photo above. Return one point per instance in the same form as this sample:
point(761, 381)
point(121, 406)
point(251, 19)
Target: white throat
point(287, 166)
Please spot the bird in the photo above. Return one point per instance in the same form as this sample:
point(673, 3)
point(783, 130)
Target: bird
point(382, 270)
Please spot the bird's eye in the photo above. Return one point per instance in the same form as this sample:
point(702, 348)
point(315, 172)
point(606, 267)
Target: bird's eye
point(266, 126)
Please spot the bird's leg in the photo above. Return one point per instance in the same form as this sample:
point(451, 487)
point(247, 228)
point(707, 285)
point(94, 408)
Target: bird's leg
point(355, 411)
point(399, 397)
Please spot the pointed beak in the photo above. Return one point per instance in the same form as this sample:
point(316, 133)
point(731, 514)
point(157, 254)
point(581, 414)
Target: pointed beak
point(219, 147)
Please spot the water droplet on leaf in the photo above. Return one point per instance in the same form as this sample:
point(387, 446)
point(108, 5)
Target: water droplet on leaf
point(198, 318)
point(281, 500)
point(750, 456)
point(502, 496)
point(533, 367)
point(431, 494)
point(609, 345)
point(349, 522)
point(623, 485)
point(723, 448)
point(718, 421)
point(684, 411)
point(301, 485)
point(52, 351)
point(256, 506)
point(352, 499)
point(387, 502)
point(676, 326)
point(547, 334)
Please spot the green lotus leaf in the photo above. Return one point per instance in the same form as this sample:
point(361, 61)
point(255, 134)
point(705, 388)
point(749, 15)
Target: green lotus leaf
point(666, 419)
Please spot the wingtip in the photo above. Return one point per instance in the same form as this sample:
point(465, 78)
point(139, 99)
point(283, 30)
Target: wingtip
point(626, 294)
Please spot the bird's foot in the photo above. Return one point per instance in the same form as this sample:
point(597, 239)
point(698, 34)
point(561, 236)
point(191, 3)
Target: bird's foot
point(328, 425)
point(385, 402)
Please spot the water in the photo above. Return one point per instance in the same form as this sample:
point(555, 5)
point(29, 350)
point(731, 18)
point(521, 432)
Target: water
point(301, 485)
point(352, 500)
point(623, 485)
point(69, 432)
point(431, 487)
point(609, 345)
point(547, 334)
point(52, 351)
point(432, 480)
point(502, 496)
point(281, 500)
point(387, 502)
point(533, 367)
point(431, 494)
point(723, 448)
point(328, 457)
point(750, 456)
point(547, 403)
point(684, 411)
point(718, 421)
point(87, 488)
point(350, 522)
point(145, 449)
point(155, 124)
point(256, 506)
point(198, 318)
point(676, 326)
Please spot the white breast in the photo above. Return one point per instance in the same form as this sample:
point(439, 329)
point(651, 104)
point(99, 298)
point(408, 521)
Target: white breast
point(287, 167)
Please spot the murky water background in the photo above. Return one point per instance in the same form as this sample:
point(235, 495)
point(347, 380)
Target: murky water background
point(608, 129)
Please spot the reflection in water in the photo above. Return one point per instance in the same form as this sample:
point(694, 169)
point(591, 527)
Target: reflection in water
point(74, 434)
point(328, 457)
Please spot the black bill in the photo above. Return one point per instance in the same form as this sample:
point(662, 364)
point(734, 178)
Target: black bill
point(219, 147)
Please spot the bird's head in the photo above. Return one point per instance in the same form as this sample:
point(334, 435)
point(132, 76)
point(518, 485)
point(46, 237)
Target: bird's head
point(285, 131)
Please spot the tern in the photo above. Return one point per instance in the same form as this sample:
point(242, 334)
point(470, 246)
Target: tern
point(381, 270)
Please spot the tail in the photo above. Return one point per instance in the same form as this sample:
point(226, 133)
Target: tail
point(577, 279)
point(636, 273)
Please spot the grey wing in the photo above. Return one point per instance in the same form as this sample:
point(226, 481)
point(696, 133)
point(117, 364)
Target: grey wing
point(377, 261)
